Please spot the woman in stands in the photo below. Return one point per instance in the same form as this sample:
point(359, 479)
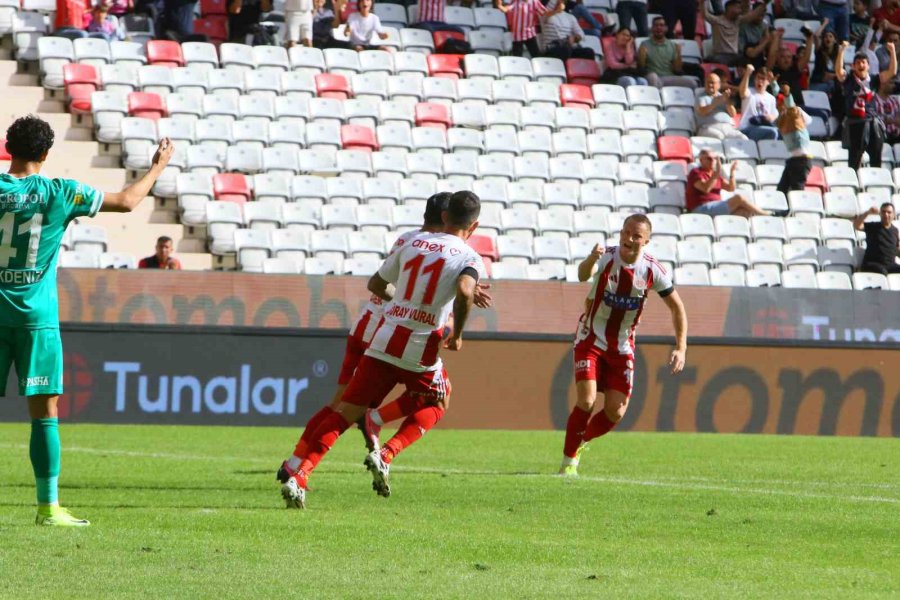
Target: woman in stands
point(621, 61)
point(362, 26)
point(823, 77)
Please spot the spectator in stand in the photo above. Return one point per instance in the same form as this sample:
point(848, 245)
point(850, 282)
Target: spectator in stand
point(792, 124)
point(621, 61)
point(243, 16)
point(633, 10)
point(522, 16)
point(684, 11)
point(863, 129)
point(888, 16)
point(803, 10)
point(838, 14)
point(103, 25)
point(178, 17)
point(759, 110)
point(430, 16)
point(860, 22)
point(754, 39)
point(561, 34)
point(726, 30)
point(715, 112)
point(882, 241)
point(362, 26)
point(117, 8)
point(580, 11)
point(324, 21)
point(788, 68)
point(163, 258)
point(705, 183)
point(888, 106)
point(298, 19)
point(823, 78)
point(882, 54)
point(660, 57)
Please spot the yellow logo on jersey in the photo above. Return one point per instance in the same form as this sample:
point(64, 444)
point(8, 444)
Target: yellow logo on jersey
point(78, 200)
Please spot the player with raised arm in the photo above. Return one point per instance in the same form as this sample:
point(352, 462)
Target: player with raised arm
point(432, 274)
point(604, 342)
point(361, 333)
point(34, 214)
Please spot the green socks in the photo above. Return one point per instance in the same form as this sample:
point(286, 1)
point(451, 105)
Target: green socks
point(45, 453)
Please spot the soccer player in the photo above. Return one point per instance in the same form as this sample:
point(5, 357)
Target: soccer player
point(432, 274)
point(604, 342)
point(34, 214)
point(361, 333)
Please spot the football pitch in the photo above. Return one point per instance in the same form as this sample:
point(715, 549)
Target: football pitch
point(194, 512)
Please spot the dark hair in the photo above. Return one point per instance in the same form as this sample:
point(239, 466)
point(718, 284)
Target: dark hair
point(434, 206)
point(29, 138)
point(621, 29)
point(730, 2)
point(639, 218)
point(885, 205)
point(860, 56)
point(163, 239)
point(463, 209)
point(762, 72)
point(655, 19)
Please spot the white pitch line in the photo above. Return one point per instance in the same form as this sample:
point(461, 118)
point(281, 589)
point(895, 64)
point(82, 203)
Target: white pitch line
point(673, 483)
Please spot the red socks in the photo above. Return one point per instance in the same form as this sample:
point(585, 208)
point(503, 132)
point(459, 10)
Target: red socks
point(412, 428)
point(303, 445)
point(599, 425)
point(575, 427)
point(324, 438)
point(399, 408)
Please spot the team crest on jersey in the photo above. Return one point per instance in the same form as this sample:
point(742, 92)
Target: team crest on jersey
point(454, 251)
point(639, 283)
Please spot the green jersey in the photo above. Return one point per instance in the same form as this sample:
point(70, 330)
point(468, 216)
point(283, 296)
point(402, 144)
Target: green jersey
point(34, 214)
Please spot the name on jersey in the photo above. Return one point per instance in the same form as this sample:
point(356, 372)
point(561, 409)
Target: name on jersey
point(34, 381)
point(421, 316)
point(620, 302)
point(428, 246)
point(11, 276)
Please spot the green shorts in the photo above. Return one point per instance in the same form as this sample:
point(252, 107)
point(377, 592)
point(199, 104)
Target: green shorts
point(38, 356)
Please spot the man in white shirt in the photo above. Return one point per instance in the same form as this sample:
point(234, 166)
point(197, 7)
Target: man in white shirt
point(560, 34)
point(299, 22)
point(759, 108)
point(362, 26)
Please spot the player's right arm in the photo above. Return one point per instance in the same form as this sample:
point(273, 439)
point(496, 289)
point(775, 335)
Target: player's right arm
point(128, 199)
point(381, 288)
point(679, 321)
point(462, 306)
point(586, 267)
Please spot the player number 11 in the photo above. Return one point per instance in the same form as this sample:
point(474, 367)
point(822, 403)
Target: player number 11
point(433, 271)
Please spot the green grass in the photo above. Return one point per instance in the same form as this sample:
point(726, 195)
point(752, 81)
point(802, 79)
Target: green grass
point(194, 512)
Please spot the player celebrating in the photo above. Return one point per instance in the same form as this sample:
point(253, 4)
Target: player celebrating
point(361, 333)
point(432, 274)
point(34, 214)
point(604, 343)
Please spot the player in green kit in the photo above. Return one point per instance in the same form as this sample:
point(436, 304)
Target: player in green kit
point(34, 214)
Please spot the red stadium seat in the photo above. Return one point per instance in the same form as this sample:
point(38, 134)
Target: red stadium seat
point(674, 147)
point(4, 155)
point(212, 7)
point(582, 71)
point(432, 114)
point(440, 37)
point(231, 187)
point(816, 179)
point(358, 137)
point(329, 85)
point(147, 105)
point(164, 53)
point(579, 96)
point(215, 28)
point(485, 246)
point(710, 67)
point(80, 81)
point(445, 65)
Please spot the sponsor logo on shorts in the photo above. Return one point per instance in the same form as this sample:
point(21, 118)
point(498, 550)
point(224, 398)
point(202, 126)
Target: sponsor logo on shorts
point(581, 365)
point(35, 381)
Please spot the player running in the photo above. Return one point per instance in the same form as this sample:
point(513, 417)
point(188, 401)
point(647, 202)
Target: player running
point(361, 333)
point(433, 273)
point(604, 342)
point(34, 214)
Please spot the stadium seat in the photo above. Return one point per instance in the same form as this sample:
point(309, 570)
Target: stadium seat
point(231, 187)
point(165, 53)
point(798, 280)
point(445, 65)
point(605, 93)
point(430, 114)
point(762, 278)
point(582, 71)
point(548, 70)
point(542, 93)
point(468, 114)
point(697, 226)
point(727, 277)
point(80, 82)
point(694, 274)
point(358, 137)
point(474, 91)
point(578, 96)
point(505, 270)
point(119, 78)
point(832, 280)
point(146, 105)
point(330, 85)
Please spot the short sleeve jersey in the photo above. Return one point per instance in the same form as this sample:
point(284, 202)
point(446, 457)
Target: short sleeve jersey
point(424, 270)
point(694, 197)
point(34, 214)
point(617, 299)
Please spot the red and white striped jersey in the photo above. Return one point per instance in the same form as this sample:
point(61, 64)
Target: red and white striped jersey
point(617, 298)
point(424, 270)
point(522, 18)
point(431, 10)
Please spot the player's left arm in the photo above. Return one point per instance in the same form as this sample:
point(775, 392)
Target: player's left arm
point(482, 298)
point(679, 321)
point(128, 199)
point(462, 306)
point(381, 287)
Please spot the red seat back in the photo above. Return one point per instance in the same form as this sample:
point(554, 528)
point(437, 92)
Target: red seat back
point(212, 7)
point(675, 147)
point(571, 94)
point(711, 67)
point(330, 85)
point(432, 114)
point(445, 65)
point(582, 71)
point(147, 105)
point(440, 37)
point(214, 27)
point(81, 81)
point(165, 53)
point(485, 246)
point(4, 154)
point(231, 187)
point(816, 179)
point(358, 137)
